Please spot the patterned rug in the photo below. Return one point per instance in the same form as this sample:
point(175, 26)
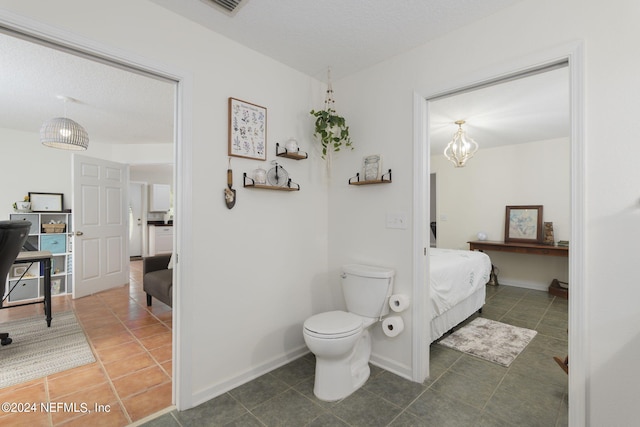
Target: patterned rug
point(38, 351)
point(490, 340)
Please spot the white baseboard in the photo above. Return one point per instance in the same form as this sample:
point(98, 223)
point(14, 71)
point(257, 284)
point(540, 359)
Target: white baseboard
point(392, 366)
point(534, 286)
point(207, 394)
point(251, 374)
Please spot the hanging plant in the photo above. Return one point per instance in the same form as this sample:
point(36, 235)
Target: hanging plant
point(330, 128)
point(332, 131)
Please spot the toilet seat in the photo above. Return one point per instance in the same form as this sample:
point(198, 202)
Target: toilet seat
point(333, 324)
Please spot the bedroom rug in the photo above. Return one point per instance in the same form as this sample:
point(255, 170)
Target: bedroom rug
point(38, 351)
point(490, 340)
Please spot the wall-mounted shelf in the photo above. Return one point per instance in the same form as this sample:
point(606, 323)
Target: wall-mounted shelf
point(296, 155)
point(384, 179)
point(250, 183)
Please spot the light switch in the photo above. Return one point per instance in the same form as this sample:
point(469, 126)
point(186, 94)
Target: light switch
point(397, 220)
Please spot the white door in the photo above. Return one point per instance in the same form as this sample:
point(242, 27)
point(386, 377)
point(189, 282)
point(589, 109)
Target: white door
point(100, 225)
point(135, 218)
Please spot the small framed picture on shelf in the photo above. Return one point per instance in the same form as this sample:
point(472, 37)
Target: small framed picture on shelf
point(45, 202)
point(247, 130)
point(523, 224)
point(372, 167)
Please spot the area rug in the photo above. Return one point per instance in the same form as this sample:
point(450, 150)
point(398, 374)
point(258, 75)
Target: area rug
point(38, 351)
point(490, 340)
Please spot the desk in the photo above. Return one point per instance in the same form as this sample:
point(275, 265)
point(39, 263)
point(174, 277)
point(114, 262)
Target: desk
point(519, 248)
point(45, 258)
point(527, 248)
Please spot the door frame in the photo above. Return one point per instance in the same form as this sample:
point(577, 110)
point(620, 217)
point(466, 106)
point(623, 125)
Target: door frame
point(16, 25)
point(578, 325)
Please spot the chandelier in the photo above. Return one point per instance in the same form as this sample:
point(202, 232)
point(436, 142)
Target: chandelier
point(461, 148)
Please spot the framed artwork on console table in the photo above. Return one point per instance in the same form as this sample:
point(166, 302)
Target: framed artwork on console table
point(523, 224)
point(247, 130)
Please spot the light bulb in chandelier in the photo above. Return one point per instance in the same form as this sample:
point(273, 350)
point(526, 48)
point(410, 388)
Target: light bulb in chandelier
point(461, 148)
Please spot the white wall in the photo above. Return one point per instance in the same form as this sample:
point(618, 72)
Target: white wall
point(260, 269)
point(27, 165)
point(30, 166)
point(266, 295)
point(474, 198)
point(378, 105)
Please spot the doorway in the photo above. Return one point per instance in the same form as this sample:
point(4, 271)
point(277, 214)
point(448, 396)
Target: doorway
point(136, 210)
point(67, 43)
point(572, 55)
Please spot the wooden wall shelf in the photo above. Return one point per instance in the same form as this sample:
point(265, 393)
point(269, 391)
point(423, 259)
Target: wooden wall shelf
point(250, 183)
point(384, 179)
point(296, 155)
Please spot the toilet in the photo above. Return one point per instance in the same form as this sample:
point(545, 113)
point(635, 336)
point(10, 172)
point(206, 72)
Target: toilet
point(341, 340)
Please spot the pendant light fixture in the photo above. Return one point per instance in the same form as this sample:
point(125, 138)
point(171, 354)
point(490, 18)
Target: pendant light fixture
point(461, 148)
point(64, 133)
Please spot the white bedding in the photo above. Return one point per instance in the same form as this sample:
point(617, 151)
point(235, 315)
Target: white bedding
point(455, 275)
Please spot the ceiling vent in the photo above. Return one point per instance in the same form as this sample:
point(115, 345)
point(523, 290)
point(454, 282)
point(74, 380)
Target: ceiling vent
point(228, 5)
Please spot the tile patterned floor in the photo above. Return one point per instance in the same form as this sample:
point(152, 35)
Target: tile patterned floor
point(132, 372)
point(463, 390)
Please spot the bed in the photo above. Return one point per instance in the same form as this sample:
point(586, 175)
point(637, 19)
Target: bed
point(458, 280)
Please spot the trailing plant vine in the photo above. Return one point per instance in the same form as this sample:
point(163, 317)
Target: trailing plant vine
point(332, 131)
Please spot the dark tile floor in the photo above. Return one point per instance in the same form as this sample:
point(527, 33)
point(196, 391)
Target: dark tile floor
point(462, 390)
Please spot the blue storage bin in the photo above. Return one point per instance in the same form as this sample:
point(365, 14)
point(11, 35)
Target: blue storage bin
point(55, 243)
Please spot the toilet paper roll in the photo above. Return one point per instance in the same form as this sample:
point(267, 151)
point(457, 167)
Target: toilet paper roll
point(399, 302)
point(392, 326)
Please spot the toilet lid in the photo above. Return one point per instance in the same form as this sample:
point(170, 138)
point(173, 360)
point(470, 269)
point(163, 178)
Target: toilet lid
point(334, 323)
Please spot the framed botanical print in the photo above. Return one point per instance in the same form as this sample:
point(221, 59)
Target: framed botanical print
point(247, 130)
point(523, 224)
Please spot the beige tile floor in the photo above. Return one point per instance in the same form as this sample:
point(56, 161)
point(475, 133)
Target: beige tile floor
point(132, 373)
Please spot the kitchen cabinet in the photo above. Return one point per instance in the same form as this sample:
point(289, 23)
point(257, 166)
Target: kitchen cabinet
point(160, 239)
point(159, 197)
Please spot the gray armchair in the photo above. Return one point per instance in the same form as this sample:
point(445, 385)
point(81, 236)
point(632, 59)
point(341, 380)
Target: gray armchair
point(157, 279)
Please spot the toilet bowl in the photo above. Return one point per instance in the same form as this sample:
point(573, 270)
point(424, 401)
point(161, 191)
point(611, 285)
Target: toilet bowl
point(340, 340)
point(342, 346)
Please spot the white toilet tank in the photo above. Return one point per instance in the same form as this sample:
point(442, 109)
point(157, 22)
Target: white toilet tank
point(367, 289)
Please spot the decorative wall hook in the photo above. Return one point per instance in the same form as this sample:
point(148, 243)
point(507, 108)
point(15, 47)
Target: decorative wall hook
point(229, 192)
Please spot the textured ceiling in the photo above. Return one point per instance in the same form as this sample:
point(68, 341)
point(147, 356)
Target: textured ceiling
point(346, 35)
point(114, 105)
point(534, 108)
point(117, 106)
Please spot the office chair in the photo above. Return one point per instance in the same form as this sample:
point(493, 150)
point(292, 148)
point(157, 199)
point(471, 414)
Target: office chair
point(13, 235)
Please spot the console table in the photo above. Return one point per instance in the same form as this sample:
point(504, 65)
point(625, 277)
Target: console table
point(520, 248)
point(526, 248)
